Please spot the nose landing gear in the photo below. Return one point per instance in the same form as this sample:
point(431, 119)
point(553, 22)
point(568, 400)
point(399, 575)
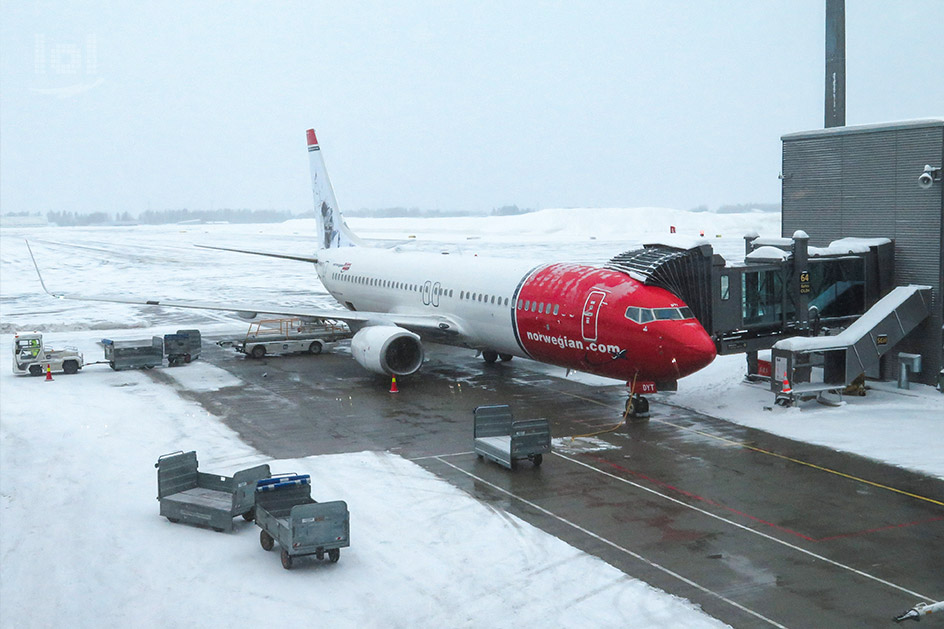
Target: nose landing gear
point(637, 409)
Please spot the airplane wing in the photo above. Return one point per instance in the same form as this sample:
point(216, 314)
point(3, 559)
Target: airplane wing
point(438, 326)
point(284, 256)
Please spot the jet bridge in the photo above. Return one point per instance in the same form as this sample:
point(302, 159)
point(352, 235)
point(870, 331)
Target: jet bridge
point(785, 288)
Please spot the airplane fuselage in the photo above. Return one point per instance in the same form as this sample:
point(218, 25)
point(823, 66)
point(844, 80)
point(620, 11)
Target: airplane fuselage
point(580, 317)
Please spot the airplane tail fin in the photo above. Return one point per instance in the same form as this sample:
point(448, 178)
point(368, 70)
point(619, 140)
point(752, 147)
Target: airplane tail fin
point(332, 230)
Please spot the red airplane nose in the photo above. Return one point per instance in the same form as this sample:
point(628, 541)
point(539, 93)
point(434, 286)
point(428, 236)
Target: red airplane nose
point(694, 349)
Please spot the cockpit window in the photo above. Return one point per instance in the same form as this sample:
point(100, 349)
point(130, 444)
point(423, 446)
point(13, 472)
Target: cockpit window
point(667, 314)
point(645, 315)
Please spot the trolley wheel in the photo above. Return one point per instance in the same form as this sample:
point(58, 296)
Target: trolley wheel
point(187, 358)
point(489, 356)
point(320, 555)
point(258, 351)
point(537, 459)
point(315, 347)
point(35, 370)
point(250, 515)
point(70, 367)
point(266, 540)
point(334, 554)
point(173, 520)
point(505, 357)
point(286, 560)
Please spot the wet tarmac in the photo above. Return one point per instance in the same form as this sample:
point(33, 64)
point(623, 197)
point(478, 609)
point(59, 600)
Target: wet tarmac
point(759, 530)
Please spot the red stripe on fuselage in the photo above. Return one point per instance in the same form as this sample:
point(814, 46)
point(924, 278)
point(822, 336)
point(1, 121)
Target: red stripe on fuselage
point(574, 316)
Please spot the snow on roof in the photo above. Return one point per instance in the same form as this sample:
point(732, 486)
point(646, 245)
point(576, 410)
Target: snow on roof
point(679, 241)
point(885, 306)
point(847, 245)
point(773, 241)
point(768, 253)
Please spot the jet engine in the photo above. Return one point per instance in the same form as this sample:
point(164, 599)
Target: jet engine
point(387, 349)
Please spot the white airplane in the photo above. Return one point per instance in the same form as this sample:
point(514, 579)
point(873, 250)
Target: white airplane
point(584, 318)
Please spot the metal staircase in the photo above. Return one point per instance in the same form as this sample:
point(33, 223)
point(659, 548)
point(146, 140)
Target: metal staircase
point(825, 363)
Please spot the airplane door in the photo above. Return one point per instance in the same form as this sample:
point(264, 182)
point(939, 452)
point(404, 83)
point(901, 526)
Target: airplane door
point(427, 289)
point(434, 297)
point(591, 313)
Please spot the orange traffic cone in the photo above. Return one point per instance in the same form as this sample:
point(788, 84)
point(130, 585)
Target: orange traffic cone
point(393, 385)
point(48, 373)
point(786, 387)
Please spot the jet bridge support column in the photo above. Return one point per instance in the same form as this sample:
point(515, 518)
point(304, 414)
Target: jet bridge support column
point(801, 278)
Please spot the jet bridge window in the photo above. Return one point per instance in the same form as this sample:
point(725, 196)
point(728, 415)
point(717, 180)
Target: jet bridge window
point(838, 287)
point(762, 294)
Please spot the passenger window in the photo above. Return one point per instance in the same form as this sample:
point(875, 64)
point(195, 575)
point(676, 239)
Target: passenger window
point(556, 309)
point(493, 299)
point(527, 305)
point(540, 308)
point(519, 305)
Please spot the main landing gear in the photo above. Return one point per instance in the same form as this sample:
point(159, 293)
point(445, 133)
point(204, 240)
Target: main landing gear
point(637, 409)
point(490, 356)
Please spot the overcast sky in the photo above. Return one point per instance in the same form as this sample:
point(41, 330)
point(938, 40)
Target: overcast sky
point(122, 106)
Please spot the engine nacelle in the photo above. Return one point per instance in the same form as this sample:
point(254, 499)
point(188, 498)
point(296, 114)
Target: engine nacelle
point(387, 349)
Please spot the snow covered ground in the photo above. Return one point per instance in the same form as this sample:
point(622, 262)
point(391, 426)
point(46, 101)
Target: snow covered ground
point(80, 540)
point(83, 546)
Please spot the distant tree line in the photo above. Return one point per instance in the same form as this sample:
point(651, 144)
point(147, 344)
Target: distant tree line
point(163, 217)
point(415, 212)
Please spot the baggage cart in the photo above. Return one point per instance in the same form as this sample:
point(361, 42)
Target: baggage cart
point(188, 495)
point(141, 354)
point(287, 514)
point(501, 439)
point(182, 347)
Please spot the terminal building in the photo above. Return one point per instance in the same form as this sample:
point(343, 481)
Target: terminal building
point(870, 182)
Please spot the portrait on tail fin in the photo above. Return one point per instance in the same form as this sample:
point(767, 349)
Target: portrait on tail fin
point(331, 235)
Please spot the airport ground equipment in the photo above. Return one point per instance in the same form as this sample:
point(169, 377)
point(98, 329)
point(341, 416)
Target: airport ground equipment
point(919, 610)
point(829, 363)
point(501, 439)
point(182, 347)
point(31, 356)
point(287, 514)
point(139, 354)
point(189, 495)
point(284, 336)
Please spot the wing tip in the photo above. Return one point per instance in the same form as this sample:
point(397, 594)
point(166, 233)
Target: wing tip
point(312, 139)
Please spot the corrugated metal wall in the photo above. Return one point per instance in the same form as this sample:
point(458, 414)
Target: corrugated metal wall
point(864, 182)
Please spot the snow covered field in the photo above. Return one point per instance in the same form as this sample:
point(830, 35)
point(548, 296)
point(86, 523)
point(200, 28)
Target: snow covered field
point(80, 539)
